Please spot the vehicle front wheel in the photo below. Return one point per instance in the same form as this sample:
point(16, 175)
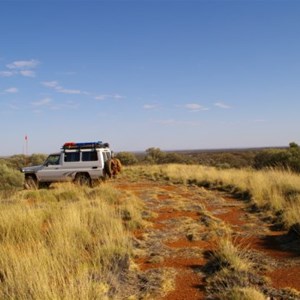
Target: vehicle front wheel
point(44, 185)
point(83, 180)
point(31, 183)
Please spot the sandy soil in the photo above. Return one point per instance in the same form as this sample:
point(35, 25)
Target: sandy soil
point(182, 229)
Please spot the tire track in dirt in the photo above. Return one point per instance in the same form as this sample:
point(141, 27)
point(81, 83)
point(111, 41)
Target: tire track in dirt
point(187, 221)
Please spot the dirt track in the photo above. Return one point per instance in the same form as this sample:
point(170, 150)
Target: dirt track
point(187, 221)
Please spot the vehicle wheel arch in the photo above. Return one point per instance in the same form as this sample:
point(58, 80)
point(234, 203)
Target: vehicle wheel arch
point(83, 178)
point(31, 182)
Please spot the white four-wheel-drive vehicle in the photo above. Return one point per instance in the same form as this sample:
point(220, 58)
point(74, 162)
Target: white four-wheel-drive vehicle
point(79, 162)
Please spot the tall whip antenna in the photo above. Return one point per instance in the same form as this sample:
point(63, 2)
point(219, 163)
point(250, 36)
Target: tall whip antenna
point(26, 149)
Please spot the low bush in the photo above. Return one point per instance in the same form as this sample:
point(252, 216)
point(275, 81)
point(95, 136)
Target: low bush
point(10, 178)
point(127, 158)
point(276, 158)
point(156, 156)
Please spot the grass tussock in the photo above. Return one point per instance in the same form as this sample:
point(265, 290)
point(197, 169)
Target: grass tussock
point(65, 243)
point(231, 256)
point(232, 273)
point(244, 294)
point(273, 190)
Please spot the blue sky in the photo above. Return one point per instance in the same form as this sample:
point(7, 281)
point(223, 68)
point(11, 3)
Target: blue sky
point(140, 74)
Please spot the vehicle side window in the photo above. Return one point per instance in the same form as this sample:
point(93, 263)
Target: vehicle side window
point(72, 156)
point(106, 156)
point(89, 156)
point(53, 160)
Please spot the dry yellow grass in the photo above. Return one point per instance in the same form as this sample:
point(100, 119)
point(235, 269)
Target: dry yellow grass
point(247, 293)
point(64, 243)
point(232, 256)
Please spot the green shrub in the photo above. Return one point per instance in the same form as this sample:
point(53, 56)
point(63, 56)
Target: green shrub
point(37, 159)
point(20, 160)
point(16, 161)
point(127, 158)
point(10, 178)
point(284, 158)
point(156, 156)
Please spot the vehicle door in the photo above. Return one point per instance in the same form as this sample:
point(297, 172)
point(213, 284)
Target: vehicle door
point(52, 169)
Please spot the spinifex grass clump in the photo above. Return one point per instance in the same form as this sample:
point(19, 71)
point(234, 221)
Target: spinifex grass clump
point(62, 243)
point(231, 273)
point(246, 293)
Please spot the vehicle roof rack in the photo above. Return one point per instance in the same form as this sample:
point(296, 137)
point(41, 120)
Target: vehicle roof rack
point(86, 145)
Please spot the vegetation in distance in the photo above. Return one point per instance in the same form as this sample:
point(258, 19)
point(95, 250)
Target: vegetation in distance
point(257, 158)
point(276, 158)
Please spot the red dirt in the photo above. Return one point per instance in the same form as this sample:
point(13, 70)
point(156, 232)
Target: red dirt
point(285, 277)
point(183, 243)
point(170, 213)
point(233, 216)
point(178, 251)
point(188, 285)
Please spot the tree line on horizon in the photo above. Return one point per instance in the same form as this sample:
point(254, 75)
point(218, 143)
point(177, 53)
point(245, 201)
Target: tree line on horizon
point(257, 158)
point(285, 159)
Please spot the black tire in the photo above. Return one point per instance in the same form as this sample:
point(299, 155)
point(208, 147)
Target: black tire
point(44, 185)
point(31, 183)
point(83, 179)
point(107, 168)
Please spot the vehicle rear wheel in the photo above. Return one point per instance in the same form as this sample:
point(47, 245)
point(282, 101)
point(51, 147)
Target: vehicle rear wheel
point(31, 183)
point(83, 179)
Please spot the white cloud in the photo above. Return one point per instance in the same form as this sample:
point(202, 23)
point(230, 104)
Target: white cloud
point(60, 89)
point(50, 84)
point(12, 90)
point(6, 73)
point(67, 105)
point(149, 106)
point(194, 107)
point(106, 96)
point(27, 73)
point(20, 67)
point(67, 91)
point(101, 97)
point(117, 96)
point(23, 64)
point(55, 85)
point(42, 102)
point(221, 105)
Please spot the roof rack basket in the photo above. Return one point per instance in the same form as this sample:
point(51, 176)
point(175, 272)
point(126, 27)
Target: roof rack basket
point(87, 145)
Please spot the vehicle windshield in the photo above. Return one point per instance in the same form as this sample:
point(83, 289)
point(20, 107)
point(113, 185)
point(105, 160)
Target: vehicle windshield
point(52, 160)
